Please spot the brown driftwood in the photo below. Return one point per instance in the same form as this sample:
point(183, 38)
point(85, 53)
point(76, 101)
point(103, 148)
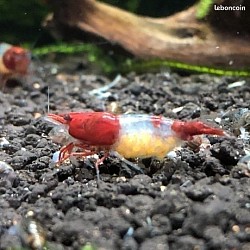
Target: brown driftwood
point(179, 37)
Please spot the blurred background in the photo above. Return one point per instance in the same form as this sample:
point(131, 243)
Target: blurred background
point(20, 21)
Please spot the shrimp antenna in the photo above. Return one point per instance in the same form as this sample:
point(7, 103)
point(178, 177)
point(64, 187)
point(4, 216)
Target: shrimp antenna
point(48, 100)
point(37, 39)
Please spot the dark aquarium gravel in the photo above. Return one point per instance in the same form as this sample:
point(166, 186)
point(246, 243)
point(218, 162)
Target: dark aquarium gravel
point(198, 199)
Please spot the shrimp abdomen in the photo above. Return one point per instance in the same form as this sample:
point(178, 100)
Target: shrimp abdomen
point(145, 136)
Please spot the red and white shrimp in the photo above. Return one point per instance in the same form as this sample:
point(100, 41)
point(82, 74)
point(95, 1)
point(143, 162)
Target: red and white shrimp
point(14, 61)
point(130, 135)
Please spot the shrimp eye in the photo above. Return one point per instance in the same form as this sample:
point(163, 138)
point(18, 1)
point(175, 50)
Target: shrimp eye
point(67, 117)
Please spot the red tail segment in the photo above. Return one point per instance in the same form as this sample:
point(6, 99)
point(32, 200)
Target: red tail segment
point(186, 130)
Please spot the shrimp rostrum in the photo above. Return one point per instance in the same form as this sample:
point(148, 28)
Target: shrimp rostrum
point(130, 135)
